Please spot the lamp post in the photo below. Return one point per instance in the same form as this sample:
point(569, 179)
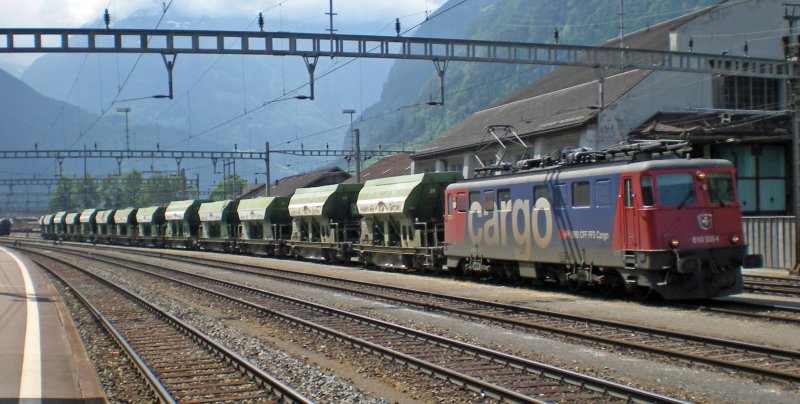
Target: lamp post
point(354, 144)
point(126, 110)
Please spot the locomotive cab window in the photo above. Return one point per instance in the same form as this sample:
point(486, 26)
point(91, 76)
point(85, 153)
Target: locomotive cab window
point(541, 191)
point(475, 201)
point(602, 193)
point(648, 198)
point(676, 189)
point(504, 199)
point(461, 202)
point(488, 201)
point(451, 204)
point(581, 195)
point(720, 188)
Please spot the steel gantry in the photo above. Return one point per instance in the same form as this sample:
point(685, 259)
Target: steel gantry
point(311, 46)
point(179, 155)
point(11, 182)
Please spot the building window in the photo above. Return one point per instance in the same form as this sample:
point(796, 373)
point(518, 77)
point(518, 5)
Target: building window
point(760, 176)
point(749, 93)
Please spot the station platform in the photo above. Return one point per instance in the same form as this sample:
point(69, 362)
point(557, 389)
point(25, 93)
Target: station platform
point(42, 358)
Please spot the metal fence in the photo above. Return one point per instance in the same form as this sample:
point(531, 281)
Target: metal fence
point(773, 238)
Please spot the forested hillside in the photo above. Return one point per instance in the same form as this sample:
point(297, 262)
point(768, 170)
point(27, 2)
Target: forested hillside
point(404, 119)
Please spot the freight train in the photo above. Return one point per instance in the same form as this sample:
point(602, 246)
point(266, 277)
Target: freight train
point(582, 219)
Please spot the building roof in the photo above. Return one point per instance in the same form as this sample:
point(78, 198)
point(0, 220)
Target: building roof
point(252, 191)
point(715, 127)
point(287, 185)
point(566, 98)
point(391, 166)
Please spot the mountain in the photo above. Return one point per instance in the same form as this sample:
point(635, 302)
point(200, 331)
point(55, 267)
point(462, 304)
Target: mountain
point(231, 101)
point(402, 117)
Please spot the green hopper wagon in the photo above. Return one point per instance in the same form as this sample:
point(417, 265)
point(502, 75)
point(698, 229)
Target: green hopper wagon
point(219, 225)
point(264, 223)
point(402, 220)
point(324, 221)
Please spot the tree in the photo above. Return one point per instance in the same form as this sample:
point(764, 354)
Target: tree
point(229, 188)
point(64, 197)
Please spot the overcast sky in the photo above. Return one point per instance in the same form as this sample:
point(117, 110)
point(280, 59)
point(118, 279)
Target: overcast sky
point(77, 13)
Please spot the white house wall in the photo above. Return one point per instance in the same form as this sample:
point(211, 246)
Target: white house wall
point(759, 22)
point(658, 92)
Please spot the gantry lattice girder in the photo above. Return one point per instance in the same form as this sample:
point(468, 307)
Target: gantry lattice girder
point(310, 45)
point(183, 154)
point(56, 181)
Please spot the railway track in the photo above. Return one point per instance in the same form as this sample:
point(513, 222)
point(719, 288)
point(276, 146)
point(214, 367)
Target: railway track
point(180, 363)
point(493, 373)
point(772, 285)
point(753, 359)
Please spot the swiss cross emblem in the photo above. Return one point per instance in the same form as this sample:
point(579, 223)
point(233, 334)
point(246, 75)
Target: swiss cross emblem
point(704, 220)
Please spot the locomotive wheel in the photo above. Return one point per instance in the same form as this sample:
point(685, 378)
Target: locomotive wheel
point(642, 293)
point(607, 288)
point(574, 285)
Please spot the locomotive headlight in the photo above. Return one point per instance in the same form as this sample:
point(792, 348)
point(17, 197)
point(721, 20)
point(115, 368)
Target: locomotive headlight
point(701, 175)
point(674, 243)
point(735, 239)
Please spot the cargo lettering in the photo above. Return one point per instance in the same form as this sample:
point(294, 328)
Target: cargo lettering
point(528, 226)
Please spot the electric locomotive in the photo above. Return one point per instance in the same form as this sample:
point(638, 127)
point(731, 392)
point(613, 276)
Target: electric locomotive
point(670, 226)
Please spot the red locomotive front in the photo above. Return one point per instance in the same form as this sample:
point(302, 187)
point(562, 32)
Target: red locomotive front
point(685, 223)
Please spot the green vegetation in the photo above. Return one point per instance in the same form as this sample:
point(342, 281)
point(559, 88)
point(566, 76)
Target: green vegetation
point(131, 189)
point(232, 185)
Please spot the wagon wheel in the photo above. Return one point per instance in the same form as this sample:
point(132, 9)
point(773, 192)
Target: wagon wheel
point(642, 293)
